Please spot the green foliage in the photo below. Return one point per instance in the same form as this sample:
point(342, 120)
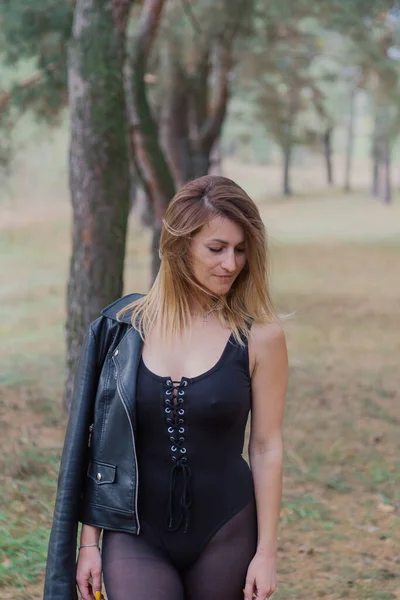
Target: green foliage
point(303, 59)
point(37, 32)
point(25, 512)
point(35, 29)
point(189, 36)
point(277, 74)
point(290, 56)
point(22, 553)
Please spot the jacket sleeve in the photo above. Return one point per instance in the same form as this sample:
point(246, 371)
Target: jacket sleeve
point(61, 557)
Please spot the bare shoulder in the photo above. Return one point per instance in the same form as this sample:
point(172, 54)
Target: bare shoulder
point(265, 334)
point(266, 341)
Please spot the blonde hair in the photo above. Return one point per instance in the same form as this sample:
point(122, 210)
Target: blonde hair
point(167, 302)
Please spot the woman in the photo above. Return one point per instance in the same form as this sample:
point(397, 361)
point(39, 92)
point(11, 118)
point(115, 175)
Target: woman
point(153, 449)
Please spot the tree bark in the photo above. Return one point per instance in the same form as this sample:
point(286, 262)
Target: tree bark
point(99, 171)
point(210, 116)
point(287, 155)
point(387, 194)
point(143, 129)
point(375, 187)
point(197, 94)
point(174, 118)
point(350, 141)
point(216, 159)
point(328, 154)
point(192, 121)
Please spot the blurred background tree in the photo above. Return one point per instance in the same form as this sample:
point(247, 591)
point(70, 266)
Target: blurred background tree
point(155, 91)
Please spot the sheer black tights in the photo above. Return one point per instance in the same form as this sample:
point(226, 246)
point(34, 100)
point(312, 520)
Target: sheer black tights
point(135, 567)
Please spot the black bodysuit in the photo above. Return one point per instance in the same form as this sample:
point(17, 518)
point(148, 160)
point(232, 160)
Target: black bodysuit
point(196, 502)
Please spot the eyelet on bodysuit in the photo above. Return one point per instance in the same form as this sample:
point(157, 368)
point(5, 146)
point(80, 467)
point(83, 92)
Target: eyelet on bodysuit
point(175, 419)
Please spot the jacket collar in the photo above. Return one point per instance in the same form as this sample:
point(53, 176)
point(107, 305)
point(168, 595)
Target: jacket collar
point(111, 310)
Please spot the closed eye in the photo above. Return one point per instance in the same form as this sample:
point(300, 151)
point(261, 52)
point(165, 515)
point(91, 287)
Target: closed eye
point(217, 250)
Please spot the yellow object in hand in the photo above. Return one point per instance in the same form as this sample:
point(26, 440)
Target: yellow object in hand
point(97, 595)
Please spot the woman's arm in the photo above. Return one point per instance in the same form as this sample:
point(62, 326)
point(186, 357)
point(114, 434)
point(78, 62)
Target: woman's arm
point(269, 383)
point(89, 563)
point(90, 535)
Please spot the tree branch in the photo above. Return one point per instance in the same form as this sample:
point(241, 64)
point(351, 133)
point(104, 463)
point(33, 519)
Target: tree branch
point(28, 82)
point(148, 25)
point(192, 17)
point(212, 126)
point(142, 126)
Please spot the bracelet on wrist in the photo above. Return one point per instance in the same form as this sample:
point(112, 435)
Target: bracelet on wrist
point(89, 546)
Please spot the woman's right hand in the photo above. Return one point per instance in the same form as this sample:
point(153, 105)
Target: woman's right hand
point(89, 566)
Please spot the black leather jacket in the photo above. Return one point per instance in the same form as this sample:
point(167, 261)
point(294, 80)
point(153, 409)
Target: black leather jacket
point(98, 481)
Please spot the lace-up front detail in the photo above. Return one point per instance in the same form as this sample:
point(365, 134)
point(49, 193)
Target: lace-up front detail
point(174, 400)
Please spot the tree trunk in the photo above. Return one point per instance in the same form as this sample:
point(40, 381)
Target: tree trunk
point(387, 194)
point(201, 161)
point(375, 187)
point(143, 129)
point(195, 104)
point(184, 114)
point(216, 159)
point(328, 154)
point(350, 141)
point(287, 155)
point(210, 117)
point(155, 246)
point(99, 171)
point(174, 117)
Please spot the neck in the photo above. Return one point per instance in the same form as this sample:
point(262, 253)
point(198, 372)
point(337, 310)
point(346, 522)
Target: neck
point(202, 306)
point(206, 309)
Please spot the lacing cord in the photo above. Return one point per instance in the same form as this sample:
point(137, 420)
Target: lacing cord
point(178, 450)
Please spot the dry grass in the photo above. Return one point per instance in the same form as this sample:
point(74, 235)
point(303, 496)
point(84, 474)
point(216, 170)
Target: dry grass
point(335, 266)
point(342, 422)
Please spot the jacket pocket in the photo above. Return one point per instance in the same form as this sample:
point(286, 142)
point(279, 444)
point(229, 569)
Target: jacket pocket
point(99, 483)
point(107, 487)
point(101, 473)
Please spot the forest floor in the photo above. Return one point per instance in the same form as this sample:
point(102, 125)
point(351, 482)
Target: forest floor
point(335, 270)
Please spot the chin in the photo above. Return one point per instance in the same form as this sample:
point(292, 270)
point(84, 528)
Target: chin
point(221, 287)
point(217, 286)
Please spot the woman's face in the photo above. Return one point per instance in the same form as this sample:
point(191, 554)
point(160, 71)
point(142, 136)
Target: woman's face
point(218, 254)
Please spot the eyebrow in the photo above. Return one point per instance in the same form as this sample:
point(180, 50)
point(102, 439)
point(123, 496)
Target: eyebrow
point(225, 242)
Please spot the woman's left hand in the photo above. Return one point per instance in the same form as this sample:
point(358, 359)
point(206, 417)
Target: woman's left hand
point(261, 577)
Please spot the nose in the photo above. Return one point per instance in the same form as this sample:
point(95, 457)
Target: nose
point(229, 262)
